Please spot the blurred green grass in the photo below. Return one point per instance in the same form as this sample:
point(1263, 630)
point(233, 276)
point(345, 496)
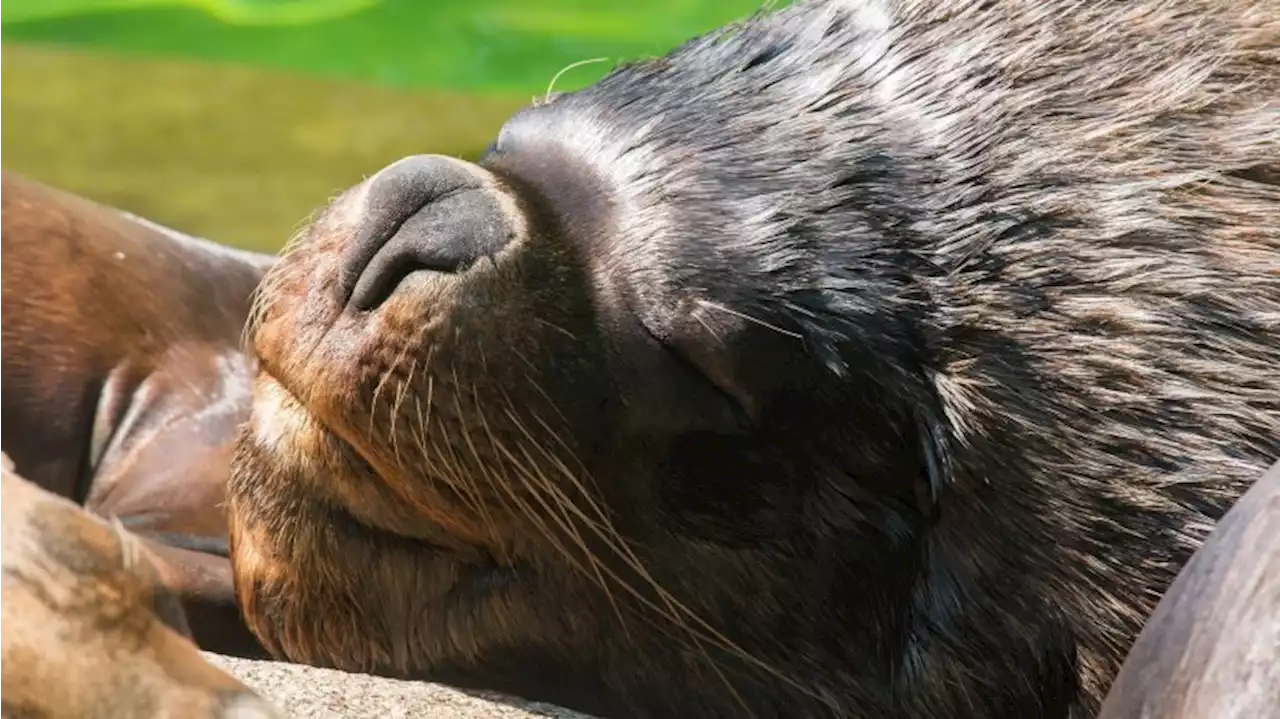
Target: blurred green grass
point(237, 155)
point(235, 119)
point(490, 45)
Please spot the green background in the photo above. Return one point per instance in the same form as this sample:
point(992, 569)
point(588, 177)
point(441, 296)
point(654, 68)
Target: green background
point(235, 119)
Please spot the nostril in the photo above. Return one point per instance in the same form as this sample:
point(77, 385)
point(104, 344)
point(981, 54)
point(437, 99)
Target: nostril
point(383, 275)
point(423, 213)
point(447, 235)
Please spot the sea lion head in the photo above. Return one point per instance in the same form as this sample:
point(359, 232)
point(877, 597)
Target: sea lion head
point(508, 418)
point(90, 629)
point(741, 382)
point(529, 425)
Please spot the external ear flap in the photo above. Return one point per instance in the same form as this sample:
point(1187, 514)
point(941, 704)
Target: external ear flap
point(936, 449)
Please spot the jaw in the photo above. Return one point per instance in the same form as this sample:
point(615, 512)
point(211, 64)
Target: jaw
point(341, 468)
point(338, 564)
point(327, 574)
point(319, 587)
point(345, 558)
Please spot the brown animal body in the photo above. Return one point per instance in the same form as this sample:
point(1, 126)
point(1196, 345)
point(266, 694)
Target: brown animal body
point(870, 358)
point(124, 382)
point(1212, 646)
point(90, 630)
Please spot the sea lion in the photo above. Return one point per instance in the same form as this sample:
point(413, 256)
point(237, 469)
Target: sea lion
point(1212, 646)
point(124, 381)
point(90, 630)
point(866, 358)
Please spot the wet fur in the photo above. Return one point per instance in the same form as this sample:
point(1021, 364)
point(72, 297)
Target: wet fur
point(879, 359)
point(124, 380)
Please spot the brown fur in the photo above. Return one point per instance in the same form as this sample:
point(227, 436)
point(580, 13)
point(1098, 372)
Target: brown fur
point(90, 629)
point(870, 358)
point(124, 382)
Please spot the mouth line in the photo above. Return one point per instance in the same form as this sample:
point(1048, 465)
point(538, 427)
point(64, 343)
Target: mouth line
point(473, 578)
point(331, 432)
point(477, 567)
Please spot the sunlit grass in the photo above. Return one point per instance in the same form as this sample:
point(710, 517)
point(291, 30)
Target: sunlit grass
point(238, 155)
point(495, 45)
point(237, 12)
point(236, 118)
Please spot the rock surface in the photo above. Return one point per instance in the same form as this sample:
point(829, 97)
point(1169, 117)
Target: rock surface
point(311, 693)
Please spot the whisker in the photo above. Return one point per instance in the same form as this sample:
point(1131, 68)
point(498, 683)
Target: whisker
point(275, 275)
point(468, 492)
point(529, 377)
point(620, 548)
point(529, 479)
point(382, 380)
point(624, 552)
point(524, 508)
point(467, 480)
point(563, 505)
point(574, 477)
point(710, 330)
point(741, 315)
point(448, 460)
point(554, 78)
point(402, 388)
point(547, 398)
point(556, 327)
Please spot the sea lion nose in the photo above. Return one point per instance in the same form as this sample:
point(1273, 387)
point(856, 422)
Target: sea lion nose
point(423, 213)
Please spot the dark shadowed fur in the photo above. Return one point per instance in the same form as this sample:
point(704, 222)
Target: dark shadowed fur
point(865, 359)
